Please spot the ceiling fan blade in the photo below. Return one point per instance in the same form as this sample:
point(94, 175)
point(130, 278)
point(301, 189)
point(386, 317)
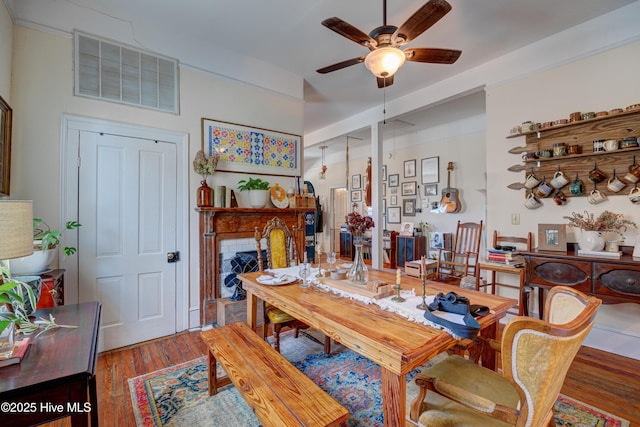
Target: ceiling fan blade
point(349, 31)
point(434, 56)
point(421, 20)
point(340, 65)
point(384, 82)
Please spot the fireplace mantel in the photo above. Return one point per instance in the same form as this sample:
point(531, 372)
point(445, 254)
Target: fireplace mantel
point(218, 224)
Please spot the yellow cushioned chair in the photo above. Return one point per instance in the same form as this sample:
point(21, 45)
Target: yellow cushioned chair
point(535, 355)
point(281, 247)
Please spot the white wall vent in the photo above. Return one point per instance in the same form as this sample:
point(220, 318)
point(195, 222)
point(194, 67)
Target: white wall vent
point(119, 73)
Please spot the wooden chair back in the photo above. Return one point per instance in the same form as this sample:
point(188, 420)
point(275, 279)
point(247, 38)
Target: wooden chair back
point(281, 244)
point(537, 354)
point(521, 243)
point(462, 260)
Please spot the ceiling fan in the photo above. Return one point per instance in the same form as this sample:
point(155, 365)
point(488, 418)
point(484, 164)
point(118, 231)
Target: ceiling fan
point(385, 56)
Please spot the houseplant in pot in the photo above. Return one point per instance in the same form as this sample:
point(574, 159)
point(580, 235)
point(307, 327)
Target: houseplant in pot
point(205, 166)
point(592, 227)
point(258, 191)
point(17, 307)
point(45, 242)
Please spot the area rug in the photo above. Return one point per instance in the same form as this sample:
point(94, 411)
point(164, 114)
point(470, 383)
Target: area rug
point(177, 396)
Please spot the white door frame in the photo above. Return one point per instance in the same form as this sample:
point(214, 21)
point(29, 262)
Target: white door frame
point(70, 138)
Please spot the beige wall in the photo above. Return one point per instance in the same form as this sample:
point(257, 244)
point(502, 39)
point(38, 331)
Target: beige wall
point(42, 91)
point(6, 39)
point(600, 82)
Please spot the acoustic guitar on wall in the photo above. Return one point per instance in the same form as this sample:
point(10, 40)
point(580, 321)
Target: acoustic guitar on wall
point(450, 202)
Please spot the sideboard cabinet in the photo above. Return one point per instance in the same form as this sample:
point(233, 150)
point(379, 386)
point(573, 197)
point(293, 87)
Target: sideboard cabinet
point(409, 248)
point(612, 280)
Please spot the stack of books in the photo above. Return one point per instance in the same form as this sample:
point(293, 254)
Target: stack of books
point(19, 351)
point(505, 257)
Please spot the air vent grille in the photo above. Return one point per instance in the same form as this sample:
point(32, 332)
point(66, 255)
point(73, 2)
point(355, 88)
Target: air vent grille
point(119, 73)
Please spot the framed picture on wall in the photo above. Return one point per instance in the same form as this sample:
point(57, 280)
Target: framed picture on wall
point(356, 196)
point(384, 172)
point(5, 147)
point(409, 188)
point(355, 181)
point(552, 237)
point(393, 214)
point(431, 189)
point(410, 168)
point(394, 180)
point(250, 149)
point(394, 200)
point(431, 170)
point(409, 207)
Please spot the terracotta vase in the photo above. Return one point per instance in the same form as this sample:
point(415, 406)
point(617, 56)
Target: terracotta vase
point(205, 194)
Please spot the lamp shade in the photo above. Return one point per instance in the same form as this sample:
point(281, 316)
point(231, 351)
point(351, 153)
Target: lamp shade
point(16, 228)
point(384, 61)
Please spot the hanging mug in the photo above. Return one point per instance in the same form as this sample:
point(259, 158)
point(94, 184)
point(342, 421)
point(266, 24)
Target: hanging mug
point(531, 181)
point(634, 174)
point(634, 195)
point(577, 187)
point(596, 175)
point(559, 180)
point(543, 189)
point(596, 197)
point(559, 198)
point(532, 202)
point(614, 185)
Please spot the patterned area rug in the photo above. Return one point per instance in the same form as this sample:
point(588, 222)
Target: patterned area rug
point(177, 396)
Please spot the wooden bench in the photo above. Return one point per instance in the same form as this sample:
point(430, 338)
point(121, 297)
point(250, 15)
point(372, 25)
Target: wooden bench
point(277, 392)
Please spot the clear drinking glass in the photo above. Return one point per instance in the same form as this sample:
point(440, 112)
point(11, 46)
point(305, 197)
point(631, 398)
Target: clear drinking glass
point(7, 339)
point(331, 259)
point(304, 271)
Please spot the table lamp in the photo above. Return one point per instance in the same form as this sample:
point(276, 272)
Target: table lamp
point(16, 240)
point(16, 229)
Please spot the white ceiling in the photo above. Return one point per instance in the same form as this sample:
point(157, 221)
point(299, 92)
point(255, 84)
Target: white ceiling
point(288, 35)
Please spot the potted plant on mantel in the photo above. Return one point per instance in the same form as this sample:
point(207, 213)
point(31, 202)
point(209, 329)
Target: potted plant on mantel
point(45, 242)
point(205, 166)
point(258, 191)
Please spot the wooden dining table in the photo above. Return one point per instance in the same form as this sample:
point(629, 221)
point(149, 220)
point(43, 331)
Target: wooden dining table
point(395, 343)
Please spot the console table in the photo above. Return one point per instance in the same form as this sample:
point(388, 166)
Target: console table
point(57, 377)
point(612, 280)
point(217, 224)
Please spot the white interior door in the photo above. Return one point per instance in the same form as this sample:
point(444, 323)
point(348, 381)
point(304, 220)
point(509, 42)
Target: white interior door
point(127, 207)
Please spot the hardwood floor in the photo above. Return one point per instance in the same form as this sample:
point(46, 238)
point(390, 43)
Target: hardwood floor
point(601, 379)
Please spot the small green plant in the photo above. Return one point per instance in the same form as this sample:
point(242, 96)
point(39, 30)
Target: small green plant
point(50, 239)
point(252, 184)
point(16, 294)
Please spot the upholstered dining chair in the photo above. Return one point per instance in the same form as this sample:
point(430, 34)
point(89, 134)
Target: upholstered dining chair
point(282, 246)
point(535, 356)
point(462, 259)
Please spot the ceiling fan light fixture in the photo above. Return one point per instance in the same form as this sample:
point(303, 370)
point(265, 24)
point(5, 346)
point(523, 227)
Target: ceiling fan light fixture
point(384, 61)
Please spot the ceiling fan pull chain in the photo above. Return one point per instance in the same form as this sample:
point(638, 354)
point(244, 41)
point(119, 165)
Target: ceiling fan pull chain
point(384, 102)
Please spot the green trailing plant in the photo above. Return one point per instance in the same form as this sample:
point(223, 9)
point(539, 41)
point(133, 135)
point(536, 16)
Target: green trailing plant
point(50, 239)
point(253, 184)
point(15, 294)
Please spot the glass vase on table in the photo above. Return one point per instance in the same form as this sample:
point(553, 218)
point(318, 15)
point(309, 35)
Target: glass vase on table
point(304, 270)
point(358, 273)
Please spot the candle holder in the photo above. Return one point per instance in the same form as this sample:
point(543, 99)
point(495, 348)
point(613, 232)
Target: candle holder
point(423, 305)
point(398, 298)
